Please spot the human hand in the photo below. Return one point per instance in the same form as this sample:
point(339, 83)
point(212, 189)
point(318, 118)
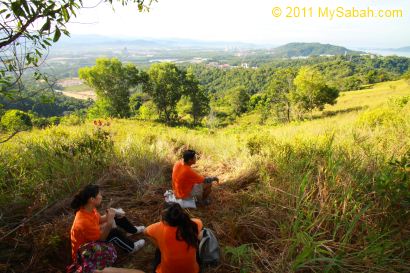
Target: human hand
point(110, 213)
point(119, 212)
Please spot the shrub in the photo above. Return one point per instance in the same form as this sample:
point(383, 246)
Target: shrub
point(384, 116)
point(148, 111)
point(393, 184)
point(72, 120)
point(41, 122)
point(406, 76)
point(16, 120)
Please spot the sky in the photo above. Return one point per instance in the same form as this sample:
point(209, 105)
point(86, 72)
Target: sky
point(249, 21)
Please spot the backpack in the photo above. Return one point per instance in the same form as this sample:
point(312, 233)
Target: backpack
point(92, 256)
point(209, 251)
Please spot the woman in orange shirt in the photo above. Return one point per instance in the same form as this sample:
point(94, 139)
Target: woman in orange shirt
point(177, 237)
point(90, 226)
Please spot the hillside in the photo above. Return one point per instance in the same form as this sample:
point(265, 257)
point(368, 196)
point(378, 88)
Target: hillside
point(310, 49)
point(403, 49)
point(322, 195)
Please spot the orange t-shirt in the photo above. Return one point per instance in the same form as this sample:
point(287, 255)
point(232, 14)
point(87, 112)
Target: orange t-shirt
point(184, 179)
point(86, 228)
point(176, 257)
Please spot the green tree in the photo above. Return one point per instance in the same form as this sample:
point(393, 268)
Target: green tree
point(101, 109)
point(112, 81)
point(136, 101)
point(238, 99)
point(148, 111)
point(261, 103)
point(184, 108)
point(16, 121)
point(28, 29)
point(311, 91)
point(406, 76)
point(197, 96)
point(166, 86)
point(278, 91)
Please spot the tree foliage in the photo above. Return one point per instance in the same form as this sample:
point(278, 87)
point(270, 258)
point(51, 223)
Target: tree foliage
point(112, 81)
point(137, 99)
point(16, 121)
point(311, 91)
point(278, 91)
point(238, 100)
point(406, 76)
point(166, 86)
point(28, 29)
point(198, 97)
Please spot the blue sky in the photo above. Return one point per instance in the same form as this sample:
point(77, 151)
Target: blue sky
point(248, 21)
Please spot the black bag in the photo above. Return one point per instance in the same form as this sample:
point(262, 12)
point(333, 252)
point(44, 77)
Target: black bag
point(209, 250)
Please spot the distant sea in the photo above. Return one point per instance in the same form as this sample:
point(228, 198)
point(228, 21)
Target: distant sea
point(388, 52)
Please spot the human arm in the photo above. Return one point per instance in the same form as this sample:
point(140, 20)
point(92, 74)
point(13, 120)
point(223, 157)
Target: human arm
point(210, 179)
point(106, 227)
point(152, 232)
point(103, 219)
point(118, 212)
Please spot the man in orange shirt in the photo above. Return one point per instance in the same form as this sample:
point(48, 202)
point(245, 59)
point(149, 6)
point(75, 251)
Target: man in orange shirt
point(186, 183)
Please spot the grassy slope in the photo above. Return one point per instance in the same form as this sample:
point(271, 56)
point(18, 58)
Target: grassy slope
point(306, 196)
point(372, 97)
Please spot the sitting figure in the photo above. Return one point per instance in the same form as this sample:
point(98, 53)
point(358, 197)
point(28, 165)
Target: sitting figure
point(177, 238)
point(186, 183)
point(89, 225)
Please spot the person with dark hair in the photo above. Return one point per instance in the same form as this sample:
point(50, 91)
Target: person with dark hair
point(90, 226)
point(177, 238)
point(186, 183)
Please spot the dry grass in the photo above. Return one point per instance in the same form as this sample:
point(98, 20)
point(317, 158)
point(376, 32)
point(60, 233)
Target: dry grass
point(315, 196)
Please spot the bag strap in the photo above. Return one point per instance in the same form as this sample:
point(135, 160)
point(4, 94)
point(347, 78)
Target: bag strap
point(205, 238)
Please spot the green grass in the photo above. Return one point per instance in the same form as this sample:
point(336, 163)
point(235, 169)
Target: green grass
point(324, 195)
point(372, 97)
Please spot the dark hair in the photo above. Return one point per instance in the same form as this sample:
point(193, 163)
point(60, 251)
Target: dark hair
point(187, 230)
point(188, 155)
point(81, 198)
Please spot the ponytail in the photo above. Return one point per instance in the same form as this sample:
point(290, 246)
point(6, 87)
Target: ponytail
point(81, 198)
point(187, 230)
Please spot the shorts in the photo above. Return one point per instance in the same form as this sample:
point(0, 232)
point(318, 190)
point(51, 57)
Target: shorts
point(197, 190)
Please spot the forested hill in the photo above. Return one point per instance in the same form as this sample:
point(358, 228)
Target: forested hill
point(342, 72)
point(309, 49)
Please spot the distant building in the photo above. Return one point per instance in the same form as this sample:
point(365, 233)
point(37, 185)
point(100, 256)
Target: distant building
point(299, 57)
point(244, 65)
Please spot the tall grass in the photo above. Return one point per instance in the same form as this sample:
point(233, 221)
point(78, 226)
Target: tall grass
point(44, 165)
point(326, 195)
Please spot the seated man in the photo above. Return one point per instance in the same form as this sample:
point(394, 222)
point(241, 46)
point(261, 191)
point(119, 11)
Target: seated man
point(186, 183)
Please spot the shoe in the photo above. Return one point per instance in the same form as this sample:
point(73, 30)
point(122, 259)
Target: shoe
point(138, 245)
point(140, 229)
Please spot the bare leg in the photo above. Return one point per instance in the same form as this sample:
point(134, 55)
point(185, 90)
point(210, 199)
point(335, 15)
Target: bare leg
point(207, 191)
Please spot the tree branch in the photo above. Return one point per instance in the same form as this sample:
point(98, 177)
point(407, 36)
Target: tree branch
point(21, 31)
point(9, 137)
